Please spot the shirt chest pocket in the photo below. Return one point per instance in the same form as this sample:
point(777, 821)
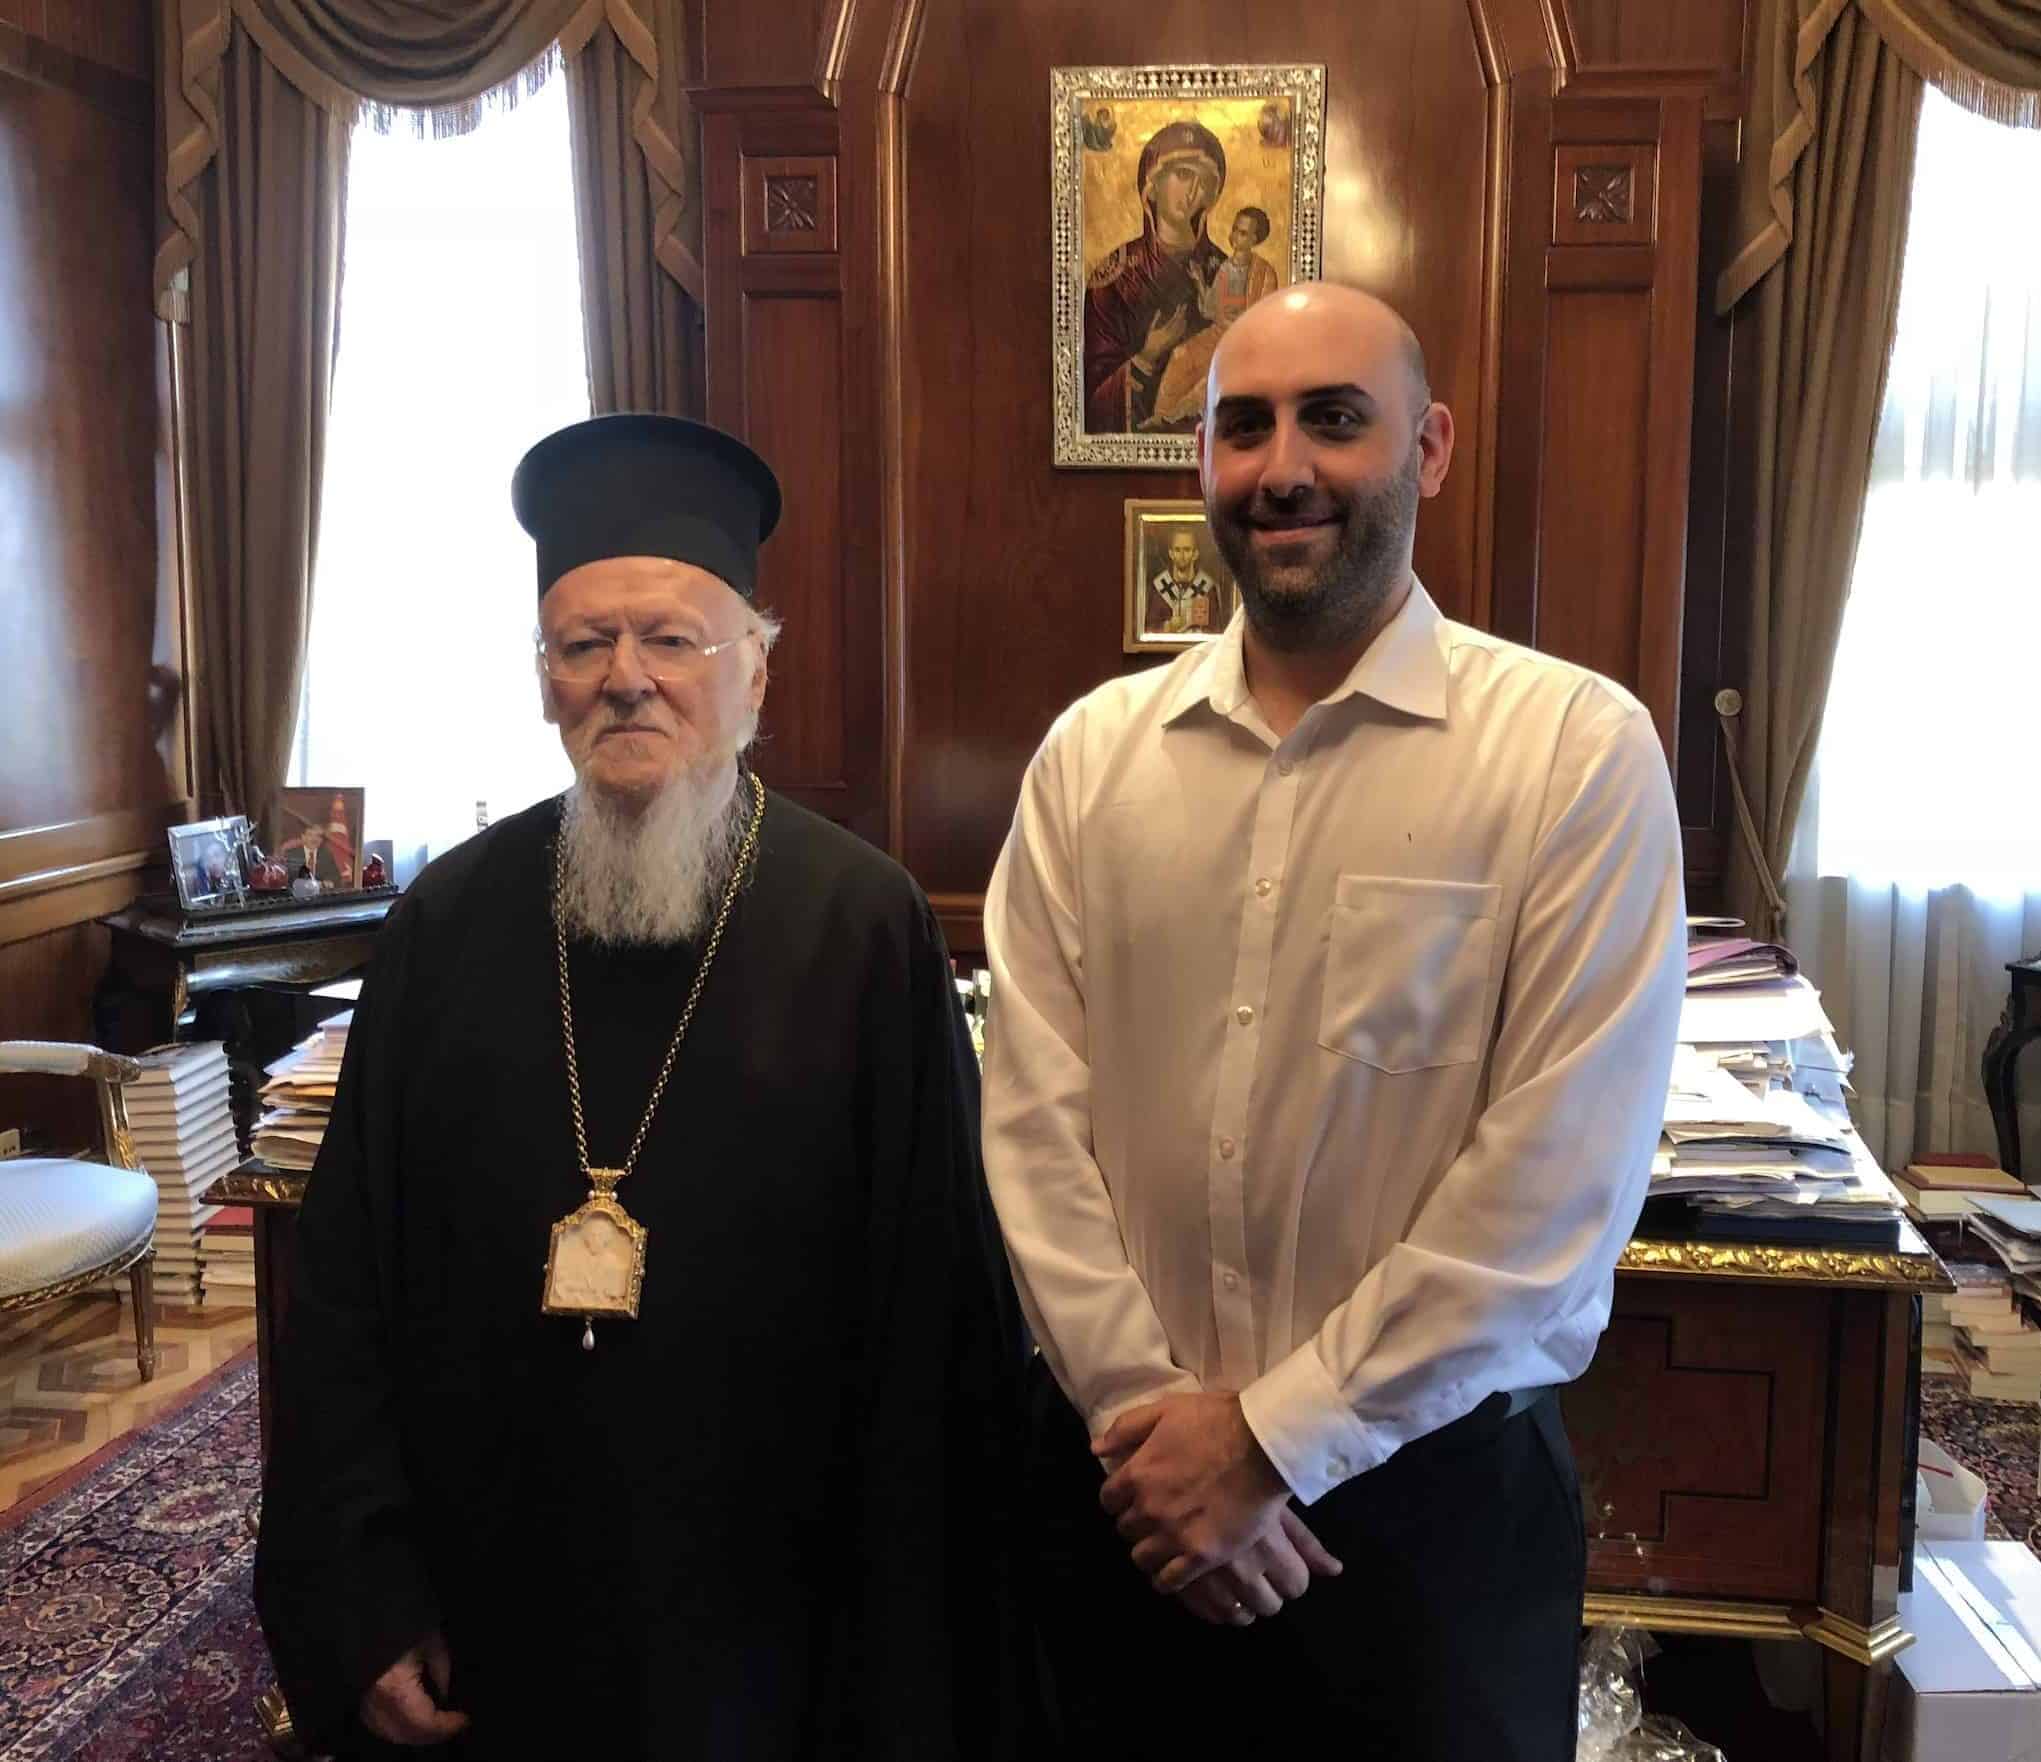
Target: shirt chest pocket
point(1406, 971)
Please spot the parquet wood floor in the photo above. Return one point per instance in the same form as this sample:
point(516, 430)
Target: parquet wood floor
point(68, 1382)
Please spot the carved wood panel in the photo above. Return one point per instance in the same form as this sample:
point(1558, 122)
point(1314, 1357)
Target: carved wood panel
point(789, 205)
point(1698, 1432)
point(1604, 195)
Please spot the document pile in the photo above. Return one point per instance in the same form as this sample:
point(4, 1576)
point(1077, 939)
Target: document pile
point(182, 1124)
point(1756, 1122)
point(298, 1097)
point(1981, 1333)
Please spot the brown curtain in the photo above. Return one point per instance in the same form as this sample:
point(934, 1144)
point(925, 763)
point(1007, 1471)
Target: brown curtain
point(264, 291)
point(1826, 184)
point(634, 209)
point(1826, 309)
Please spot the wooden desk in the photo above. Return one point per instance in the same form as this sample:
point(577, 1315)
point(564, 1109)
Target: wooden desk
point(1744, 1439)
point(2018, 1027)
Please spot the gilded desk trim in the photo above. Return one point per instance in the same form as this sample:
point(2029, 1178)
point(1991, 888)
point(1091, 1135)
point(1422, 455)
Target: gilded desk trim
point(1748, 1621)
point(245, 1186)
point(1880, 1269)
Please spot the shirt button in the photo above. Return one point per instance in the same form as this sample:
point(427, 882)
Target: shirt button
point(1230, 1281)
point(1264, 887)
point(1226, 1147)
point(1284, 767)
point(1244, 1015)
point(1338, 1465)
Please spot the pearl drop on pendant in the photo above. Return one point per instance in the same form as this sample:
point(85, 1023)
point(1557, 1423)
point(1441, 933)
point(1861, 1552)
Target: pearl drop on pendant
point(588, 1336)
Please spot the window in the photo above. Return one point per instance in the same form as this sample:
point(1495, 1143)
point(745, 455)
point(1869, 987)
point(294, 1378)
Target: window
point(460, 345)
point(1927, 772)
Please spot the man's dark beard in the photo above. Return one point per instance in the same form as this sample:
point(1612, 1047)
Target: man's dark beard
point(1347, 594)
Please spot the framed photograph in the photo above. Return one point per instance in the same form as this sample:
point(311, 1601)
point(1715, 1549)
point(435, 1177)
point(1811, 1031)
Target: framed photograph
point(208, 859)
point(1179, 590)
point(319, 829)
point(1180, 196)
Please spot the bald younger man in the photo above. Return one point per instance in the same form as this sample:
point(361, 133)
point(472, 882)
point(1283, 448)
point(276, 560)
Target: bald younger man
point(1315, 1197)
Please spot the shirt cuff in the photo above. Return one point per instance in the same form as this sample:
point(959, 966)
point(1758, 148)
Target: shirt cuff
point(1314, 1439)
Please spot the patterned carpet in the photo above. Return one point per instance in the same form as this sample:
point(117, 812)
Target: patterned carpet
point(126, 1625)
point(2000, 1440)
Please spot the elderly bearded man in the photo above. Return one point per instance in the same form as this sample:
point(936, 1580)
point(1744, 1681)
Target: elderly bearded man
point(1316, 1192)
point(741, 1497)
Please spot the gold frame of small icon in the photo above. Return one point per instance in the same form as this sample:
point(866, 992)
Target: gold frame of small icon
point(1143, 516)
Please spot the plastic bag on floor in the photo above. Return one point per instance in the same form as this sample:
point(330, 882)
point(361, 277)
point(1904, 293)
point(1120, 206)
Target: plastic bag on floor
point(1613, 1724)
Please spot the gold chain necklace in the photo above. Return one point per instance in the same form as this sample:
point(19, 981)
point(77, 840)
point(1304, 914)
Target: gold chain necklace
point(595, 1265)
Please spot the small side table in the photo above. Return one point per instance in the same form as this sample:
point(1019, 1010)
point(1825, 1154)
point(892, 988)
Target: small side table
point(2017, 1028)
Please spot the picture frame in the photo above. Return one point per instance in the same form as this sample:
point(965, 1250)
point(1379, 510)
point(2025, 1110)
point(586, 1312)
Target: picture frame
point(1179, 590)
point(1179, 195)
point(319, 826)
point(209, 862)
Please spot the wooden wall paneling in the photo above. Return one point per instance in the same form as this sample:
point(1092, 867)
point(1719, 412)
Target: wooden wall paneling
point(787, 370)
point(997, 577)
point(749, 45)
point(46, 983)
point(1614, 437)
point(1651, 47)
point(1013, 593)
point(86, 613)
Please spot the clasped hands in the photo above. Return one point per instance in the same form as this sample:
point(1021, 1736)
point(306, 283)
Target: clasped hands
point(1205, 1514)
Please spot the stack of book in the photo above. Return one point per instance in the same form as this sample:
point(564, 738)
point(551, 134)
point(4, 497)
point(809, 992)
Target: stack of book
point(1997, 1350)
point(298, 1097)
point(182, 1125)
point(1937, 1188)
point(1983, 1301)
point(230, 1256)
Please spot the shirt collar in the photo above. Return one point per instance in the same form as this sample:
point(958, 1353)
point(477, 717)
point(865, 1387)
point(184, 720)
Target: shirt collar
point(1404, 668)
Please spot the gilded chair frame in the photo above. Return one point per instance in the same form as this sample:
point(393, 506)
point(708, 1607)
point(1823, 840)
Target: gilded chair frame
point(110, 1074)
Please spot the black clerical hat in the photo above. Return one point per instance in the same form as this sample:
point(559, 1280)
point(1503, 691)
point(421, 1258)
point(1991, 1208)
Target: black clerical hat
point(646, 486)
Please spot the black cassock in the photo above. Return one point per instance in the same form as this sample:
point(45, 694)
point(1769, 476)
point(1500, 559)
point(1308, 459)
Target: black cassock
point(770, 1518)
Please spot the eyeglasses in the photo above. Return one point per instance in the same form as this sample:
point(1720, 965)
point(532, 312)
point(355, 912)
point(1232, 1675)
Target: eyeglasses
point(587, 660)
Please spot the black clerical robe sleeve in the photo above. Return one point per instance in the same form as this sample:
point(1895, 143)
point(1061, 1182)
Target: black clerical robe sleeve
point(931, 1658)
point(340, 1580)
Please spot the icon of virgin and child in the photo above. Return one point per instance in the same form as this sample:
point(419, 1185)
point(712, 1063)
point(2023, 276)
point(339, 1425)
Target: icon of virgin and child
point(1156, 306)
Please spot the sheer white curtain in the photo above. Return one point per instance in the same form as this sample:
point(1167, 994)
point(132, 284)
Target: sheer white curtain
point(1916, 872)
point(460, 345)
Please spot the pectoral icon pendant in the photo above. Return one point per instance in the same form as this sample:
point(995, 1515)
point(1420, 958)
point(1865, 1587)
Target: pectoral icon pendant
point(595, 1267)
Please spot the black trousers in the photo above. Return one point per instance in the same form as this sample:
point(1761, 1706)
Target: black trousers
point(1450, 1637)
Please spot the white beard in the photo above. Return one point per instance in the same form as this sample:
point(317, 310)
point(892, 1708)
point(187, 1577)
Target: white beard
point(658, 877)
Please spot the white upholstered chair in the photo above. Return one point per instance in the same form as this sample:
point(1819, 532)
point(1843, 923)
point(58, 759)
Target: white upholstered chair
point(65, 1224)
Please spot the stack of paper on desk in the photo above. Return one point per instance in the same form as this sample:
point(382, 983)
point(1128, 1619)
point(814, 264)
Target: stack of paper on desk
point(298, 1097)
point(1717, 961)
point(1757, 1121)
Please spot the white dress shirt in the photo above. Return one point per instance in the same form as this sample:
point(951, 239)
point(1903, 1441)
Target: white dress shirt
point(1329, 1069)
